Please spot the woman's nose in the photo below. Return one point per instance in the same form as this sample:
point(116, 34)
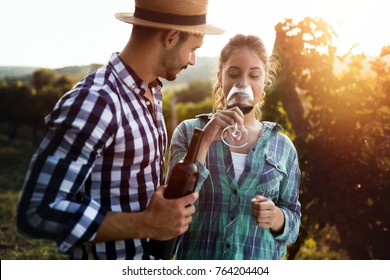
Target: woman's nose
point(243, 83)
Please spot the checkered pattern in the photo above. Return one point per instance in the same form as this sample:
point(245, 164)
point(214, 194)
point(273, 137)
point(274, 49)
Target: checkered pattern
point(223, 226)
point(102, 151)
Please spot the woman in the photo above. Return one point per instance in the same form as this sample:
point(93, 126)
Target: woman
point(248, 204)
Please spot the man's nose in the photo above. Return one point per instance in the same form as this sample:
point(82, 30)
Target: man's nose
point(192, 59)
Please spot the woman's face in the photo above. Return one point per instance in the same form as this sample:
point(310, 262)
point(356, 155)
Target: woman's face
point(244, 67)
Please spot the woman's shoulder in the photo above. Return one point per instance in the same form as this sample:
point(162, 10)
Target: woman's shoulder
point(271, 126)
point(198, 121)
point(277, 134)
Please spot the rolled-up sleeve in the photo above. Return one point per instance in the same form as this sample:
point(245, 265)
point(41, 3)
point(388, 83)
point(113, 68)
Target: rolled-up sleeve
point(51, 205)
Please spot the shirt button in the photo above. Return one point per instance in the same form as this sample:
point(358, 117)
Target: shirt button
point(147, 103)
point(227, 245)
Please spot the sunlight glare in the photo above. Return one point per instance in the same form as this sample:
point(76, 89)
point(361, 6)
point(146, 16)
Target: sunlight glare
point(83, 32)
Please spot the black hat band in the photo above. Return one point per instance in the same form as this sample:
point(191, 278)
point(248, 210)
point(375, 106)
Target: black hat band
point(169, 18)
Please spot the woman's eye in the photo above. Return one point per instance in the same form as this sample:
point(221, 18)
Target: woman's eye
point(255, 75)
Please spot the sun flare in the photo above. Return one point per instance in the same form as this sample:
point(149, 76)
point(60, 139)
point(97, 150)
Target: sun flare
point(49, 32)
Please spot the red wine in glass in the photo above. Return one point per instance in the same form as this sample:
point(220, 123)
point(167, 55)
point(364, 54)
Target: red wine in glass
point(236, 136)
point(243, 107)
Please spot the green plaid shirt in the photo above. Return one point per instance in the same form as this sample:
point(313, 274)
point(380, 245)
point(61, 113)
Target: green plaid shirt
point(223, 226)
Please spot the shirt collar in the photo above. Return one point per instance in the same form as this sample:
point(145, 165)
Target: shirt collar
point(272, 125)
point(130, 77)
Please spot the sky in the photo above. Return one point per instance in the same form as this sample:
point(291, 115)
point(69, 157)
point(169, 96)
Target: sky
point(54, 34)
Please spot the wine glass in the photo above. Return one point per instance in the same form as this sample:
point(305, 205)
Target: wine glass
point(236, 136)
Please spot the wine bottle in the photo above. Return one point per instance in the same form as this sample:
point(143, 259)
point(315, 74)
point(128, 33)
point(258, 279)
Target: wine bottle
point(182, 181)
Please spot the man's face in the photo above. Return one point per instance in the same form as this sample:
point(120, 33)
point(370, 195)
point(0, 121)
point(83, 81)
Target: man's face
point(182, 55)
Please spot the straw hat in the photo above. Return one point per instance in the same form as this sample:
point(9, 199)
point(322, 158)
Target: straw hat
point(183, 15)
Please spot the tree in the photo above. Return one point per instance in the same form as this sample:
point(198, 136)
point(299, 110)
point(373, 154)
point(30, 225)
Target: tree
point(25, 103)
point(341, 136)
point(15, 100)
point(196, 91)
point(43, 77)
point(186, 103)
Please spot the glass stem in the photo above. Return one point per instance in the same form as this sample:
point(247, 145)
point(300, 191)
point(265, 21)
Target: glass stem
point(236, 132)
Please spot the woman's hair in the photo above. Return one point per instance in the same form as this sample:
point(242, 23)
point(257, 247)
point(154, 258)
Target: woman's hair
point(254, 44)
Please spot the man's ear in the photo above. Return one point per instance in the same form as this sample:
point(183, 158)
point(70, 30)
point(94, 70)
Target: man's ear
point(170, 38)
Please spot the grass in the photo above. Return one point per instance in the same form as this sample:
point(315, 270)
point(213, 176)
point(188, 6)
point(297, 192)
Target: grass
point(14, 158)
point(13, 245)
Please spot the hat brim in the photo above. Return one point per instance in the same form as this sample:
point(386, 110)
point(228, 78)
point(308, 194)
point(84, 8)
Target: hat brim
point(198, 29)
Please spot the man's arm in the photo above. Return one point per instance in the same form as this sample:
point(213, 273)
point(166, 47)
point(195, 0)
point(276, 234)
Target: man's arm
point(163, 219)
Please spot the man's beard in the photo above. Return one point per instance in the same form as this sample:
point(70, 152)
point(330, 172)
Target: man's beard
point(172, 65)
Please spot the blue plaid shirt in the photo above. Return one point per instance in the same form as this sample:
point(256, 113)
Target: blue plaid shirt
point(103, 150)
point(223, 226)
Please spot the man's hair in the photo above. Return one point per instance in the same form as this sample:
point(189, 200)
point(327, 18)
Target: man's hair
point(145, 32)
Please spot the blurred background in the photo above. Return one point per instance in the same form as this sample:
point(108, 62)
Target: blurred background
point(332, 96)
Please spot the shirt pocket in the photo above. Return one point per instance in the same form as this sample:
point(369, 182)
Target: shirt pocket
point(271, 178)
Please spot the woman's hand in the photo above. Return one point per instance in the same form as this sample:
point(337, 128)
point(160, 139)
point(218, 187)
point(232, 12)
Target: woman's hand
point(220, 120)
point(267, 214)
point(213, 129)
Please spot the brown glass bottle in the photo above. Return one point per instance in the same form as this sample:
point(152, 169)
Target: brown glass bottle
point(182, 181)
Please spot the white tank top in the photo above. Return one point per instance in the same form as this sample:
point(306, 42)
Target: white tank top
point(238, 163)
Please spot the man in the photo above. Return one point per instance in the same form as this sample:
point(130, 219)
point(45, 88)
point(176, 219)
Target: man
point(94, 184)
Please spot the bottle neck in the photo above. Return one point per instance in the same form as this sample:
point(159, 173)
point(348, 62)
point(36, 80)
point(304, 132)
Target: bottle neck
point(193, 149)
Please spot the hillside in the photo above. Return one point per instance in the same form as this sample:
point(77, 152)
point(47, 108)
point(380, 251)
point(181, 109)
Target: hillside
point(16, 71)
point(20, 72)
point(204, 69)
